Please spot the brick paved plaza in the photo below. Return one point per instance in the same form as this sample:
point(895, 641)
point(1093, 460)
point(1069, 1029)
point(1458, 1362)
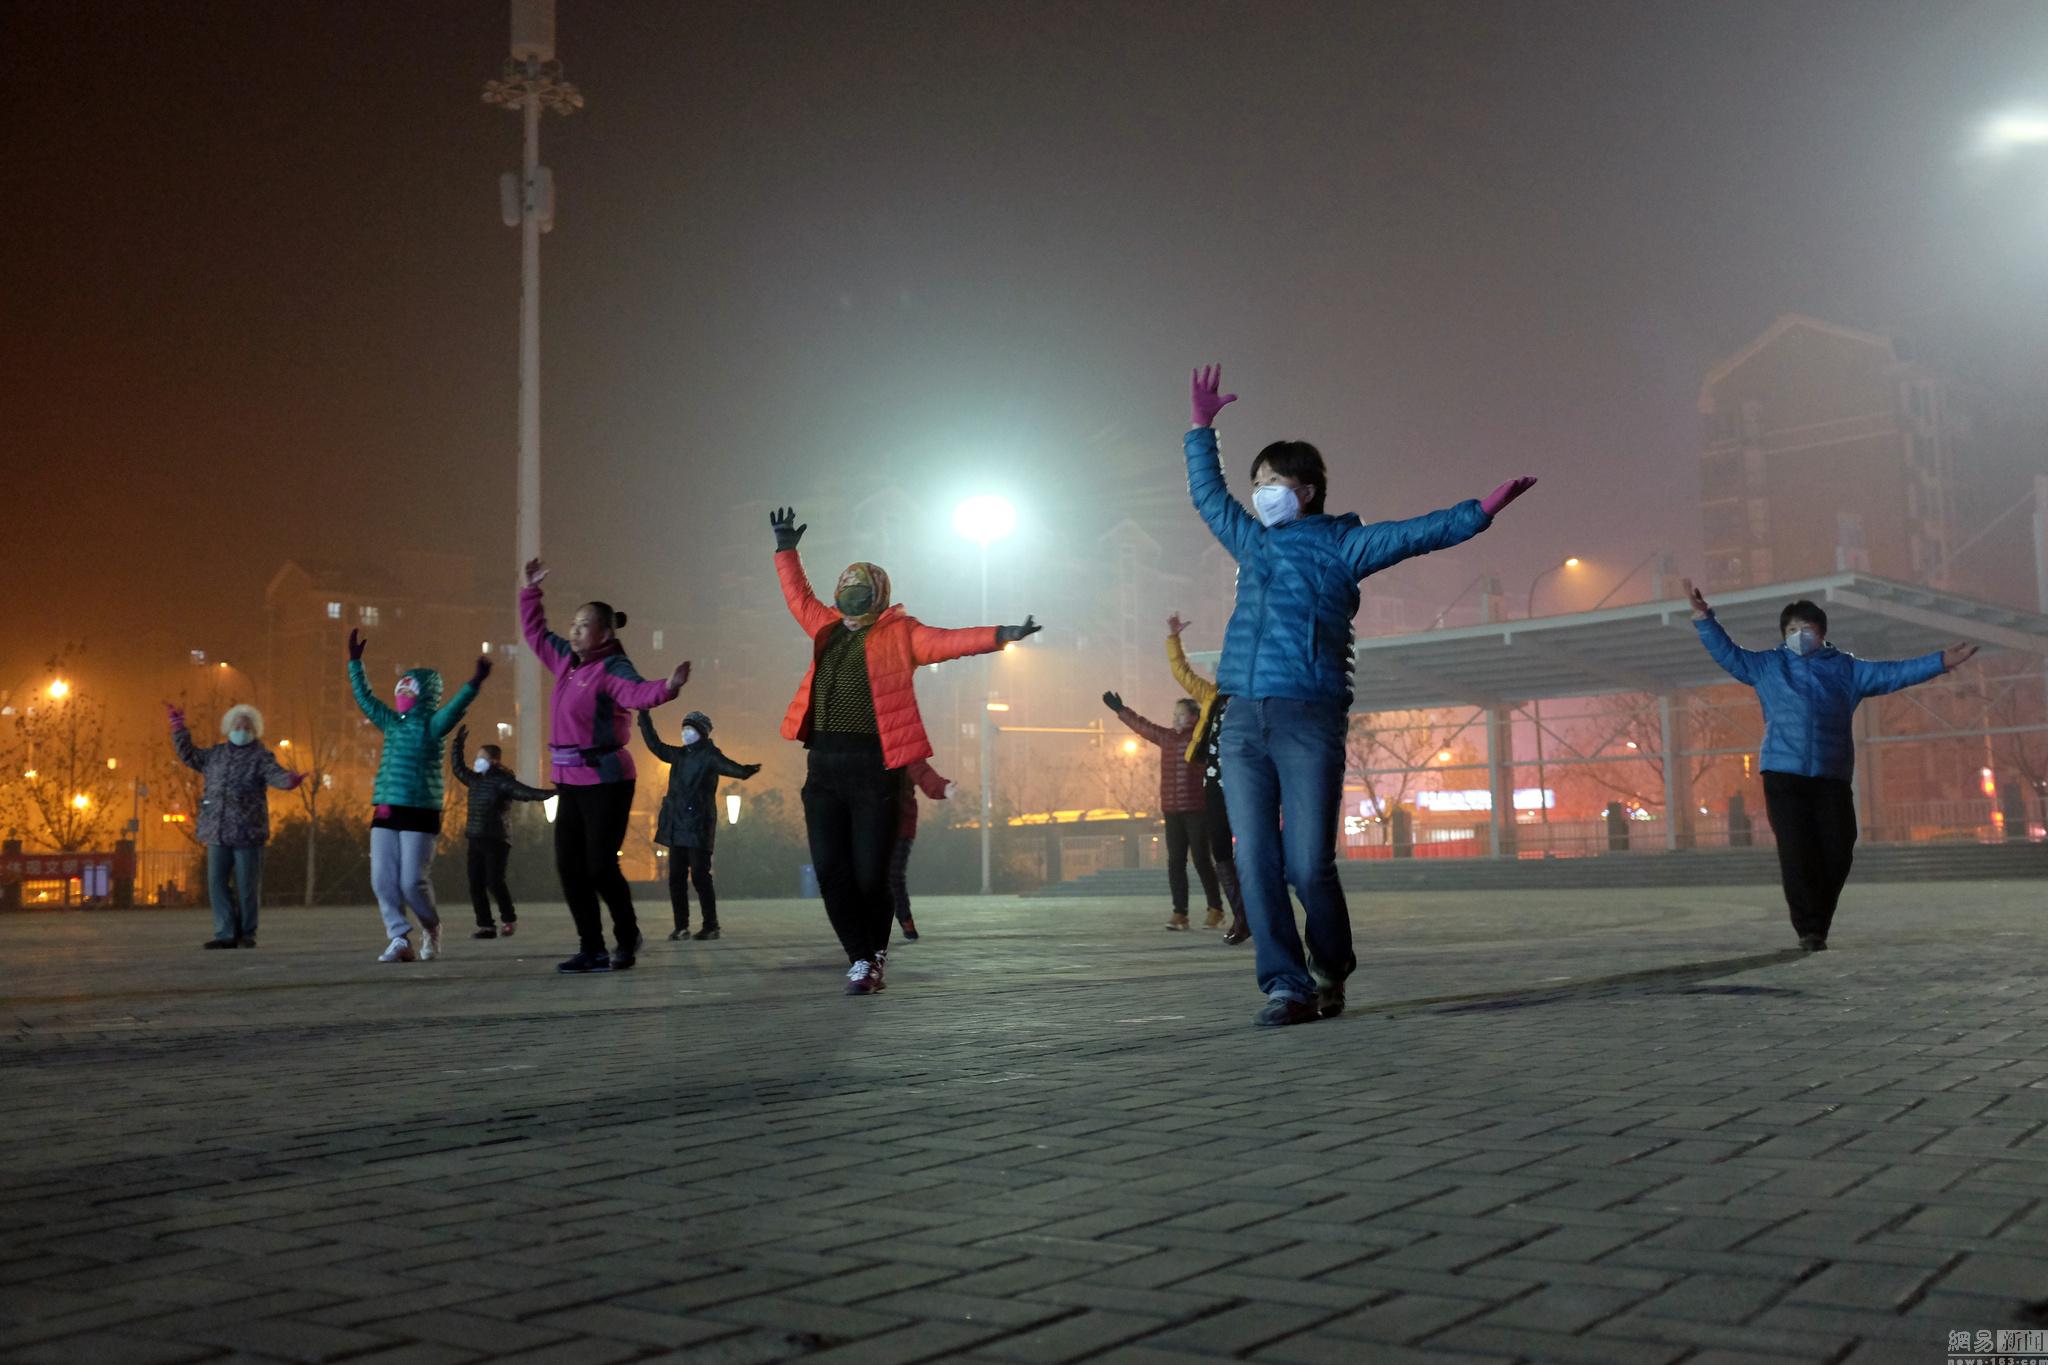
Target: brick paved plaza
point(1554, 1127)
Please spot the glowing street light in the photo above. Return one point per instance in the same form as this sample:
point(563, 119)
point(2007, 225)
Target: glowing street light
point(80, 801)
point(732, 808)
point(59, 690)
point(985, 519)
point(1130, 746)
point(2012, 130)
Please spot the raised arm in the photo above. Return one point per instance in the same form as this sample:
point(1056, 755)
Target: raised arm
point(380, 715)
point(1383, 544)
point(1151, 730)
point(189, 754)
point(1191, 682)
point(1739, 663)
point(1225, 516)
point(667, 753)
point(458, 756)
point(1875, 677)
point(626, 687)
point(447, 717)
point(803, 604)
point(551, 649)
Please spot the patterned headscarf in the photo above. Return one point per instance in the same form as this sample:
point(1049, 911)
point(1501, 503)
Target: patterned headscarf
point(867, 575)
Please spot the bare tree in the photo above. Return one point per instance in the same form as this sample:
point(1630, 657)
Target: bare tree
point(1390, 750)
point(66, 792)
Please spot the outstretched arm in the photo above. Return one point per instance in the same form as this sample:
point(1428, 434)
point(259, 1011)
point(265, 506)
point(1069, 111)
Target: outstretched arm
point(279, 776)
point(1151, 730)
point(1369, 549)
point(1875, 677)
point(667, 753)
point(519, 791)
point(1191, 682)
point(931, 645)
point(635, 693)
point(1739, 663)
point(729, 767)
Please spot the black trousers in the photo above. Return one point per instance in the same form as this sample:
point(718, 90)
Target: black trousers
point(899, 877)
point(1187, 834)
point(685, 867)
point(1815, 821)
point(1216, 816)
point(852, 806)
point(590, 825)
point(487, 861)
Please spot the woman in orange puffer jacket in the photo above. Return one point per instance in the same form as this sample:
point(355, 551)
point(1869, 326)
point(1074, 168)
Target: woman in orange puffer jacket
point(856, 711)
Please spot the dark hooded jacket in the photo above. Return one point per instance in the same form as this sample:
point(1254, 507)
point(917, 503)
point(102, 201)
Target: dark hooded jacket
point(689, 813)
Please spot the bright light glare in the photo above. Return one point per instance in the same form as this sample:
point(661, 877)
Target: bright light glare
point(2017, 128)
point(80, 801)
point(732, 808)
point(60, 689)
point(985, 518)
point(547, 807)
point(999, 706)
point(1572, 563)
point(1130, 746)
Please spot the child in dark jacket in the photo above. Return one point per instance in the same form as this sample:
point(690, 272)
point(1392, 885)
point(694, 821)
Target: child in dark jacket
point(1809, 691)
point(492, 790)
point(922, 777)
point(689, 816)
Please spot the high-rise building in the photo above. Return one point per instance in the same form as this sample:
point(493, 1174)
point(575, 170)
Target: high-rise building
point(1829, 449)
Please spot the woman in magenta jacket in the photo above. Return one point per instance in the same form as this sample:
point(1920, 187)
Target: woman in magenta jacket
point(590, 718)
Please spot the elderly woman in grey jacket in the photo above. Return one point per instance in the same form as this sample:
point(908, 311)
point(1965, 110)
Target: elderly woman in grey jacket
point(234, 816)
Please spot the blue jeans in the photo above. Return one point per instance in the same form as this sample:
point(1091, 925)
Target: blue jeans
point(232, 921)
point(1283, 781)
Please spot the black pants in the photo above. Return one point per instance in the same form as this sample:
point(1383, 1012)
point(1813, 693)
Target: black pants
point(899, 877)
point(852, 805)
point(685, 866)
point(590, 825)
point(1815, 821)
point(487, 861)
point(1222, 845)
point(1187, 834)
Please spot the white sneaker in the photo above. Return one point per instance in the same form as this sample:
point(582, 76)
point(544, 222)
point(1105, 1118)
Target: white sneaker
point(399, 951)
point(860, 978)
point(430, 943)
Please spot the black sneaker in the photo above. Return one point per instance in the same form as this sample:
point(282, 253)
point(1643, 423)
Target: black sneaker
point(586, 962)
point(1282, 1010)
point(1813, 943)
point(709, 931)
point(910, 931)
point(214, 943)
point(1330, 1000)
point(622, 962)
point(683, 932)
point(488, 931)
point(249, 942)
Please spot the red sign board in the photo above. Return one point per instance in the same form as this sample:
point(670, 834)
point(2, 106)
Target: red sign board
point(18, 867)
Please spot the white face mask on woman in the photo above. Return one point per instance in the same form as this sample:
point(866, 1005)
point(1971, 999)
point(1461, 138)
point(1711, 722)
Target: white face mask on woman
point(482, 764)
point(1802, 640)
point(1276, 504)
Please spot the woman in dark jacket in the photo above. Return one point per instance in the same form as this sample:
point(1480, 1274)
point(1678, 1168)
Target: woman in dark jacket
point(689, 815)
point(234, 816)
point(492, 790)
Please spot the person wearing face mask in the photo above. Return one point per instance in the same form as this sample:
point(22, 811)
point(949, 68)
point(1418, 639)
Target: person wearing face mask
point(856, 712)
point(1809, 691)
point(917, 777)
point(1206, 753)
point(1181, 801)
point(689, 816)
point(596, 688)
point(492, 790)
point(234, 816)
point(408, 795)
point(1287, 667)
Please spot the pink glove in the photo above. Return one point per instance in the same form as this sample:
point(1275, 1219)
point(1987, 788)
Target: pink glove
point(298, 781)
point(1203, 399)
point(1505, 494)
point(176, 716)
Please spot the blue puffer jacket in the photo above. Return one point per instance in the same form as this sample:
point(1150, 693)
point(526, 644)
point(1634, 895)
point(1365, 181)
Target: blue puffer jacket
point(1297, 584)
point(1809, 699)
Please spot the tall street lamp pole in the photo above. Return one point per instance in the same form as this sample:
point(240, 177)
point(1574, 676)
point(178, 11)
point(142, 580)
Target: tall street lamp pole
point(531, 82)
point(984, 520)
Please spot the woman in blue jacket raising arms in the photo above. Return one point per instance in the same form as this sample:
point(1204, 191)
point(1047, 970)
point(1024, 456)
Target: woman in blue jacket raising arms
point(1287, 667)
point(1809, 691)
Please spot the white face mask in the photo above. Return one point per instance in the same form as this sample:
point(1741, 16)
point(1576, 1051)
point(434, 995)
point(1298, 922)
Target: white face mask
point(690, 735)
point(482, 764)
point(1802, 641)
point(1276, 504)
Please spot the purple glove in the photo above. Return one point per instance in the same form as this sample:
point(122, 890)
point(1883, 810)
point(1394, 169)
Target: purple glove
point(175, 715)
point(1203, 399)
point(1505, 494)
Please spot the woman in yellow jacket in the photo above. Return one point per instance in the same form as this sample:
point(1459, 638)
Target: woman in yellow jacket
point(1202, 749)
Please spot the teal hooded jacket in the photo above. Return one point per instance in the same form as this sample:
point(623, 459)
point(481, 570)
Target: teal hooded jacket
point(409, 773)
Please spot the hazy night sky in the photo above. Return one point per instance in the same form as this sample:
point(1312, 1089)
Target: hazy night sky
point(259, 299)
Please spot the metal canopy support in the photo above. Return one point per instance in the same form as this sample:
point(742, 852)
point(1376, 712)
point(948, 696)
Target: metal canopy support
point(1675, 723)
point(1867, 793)
point(1500, 779)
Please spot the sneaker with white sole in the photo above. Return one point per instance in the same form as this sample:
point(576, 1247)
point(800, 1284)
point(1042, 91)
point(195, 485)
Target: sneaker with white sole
point(861, 979)
point(399, 951)
point(430, 943)
point(881, 962)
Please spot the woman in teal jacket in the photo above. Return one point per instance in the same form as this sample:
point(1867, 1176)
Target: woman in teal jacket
point(1287, 668)
point(408, 794)
point(1809, 691)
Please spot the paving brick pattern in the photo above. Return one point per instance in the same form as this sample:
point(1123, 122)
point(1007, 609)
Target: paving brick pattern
point(1574, 1127)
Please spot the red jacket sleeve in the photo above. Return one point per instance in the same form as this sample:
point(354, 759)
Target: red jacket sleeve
point(1157, 733)
point(931, 645)
point(804, 605)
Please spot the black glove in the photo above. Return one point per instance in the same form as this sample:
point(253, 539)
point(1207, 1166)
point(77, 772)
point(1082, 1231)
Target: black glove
point(483, 670)
point(751, 769)
point(1005, 634)
point(355, 647)
point(1113, 702)
point(787, 532)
